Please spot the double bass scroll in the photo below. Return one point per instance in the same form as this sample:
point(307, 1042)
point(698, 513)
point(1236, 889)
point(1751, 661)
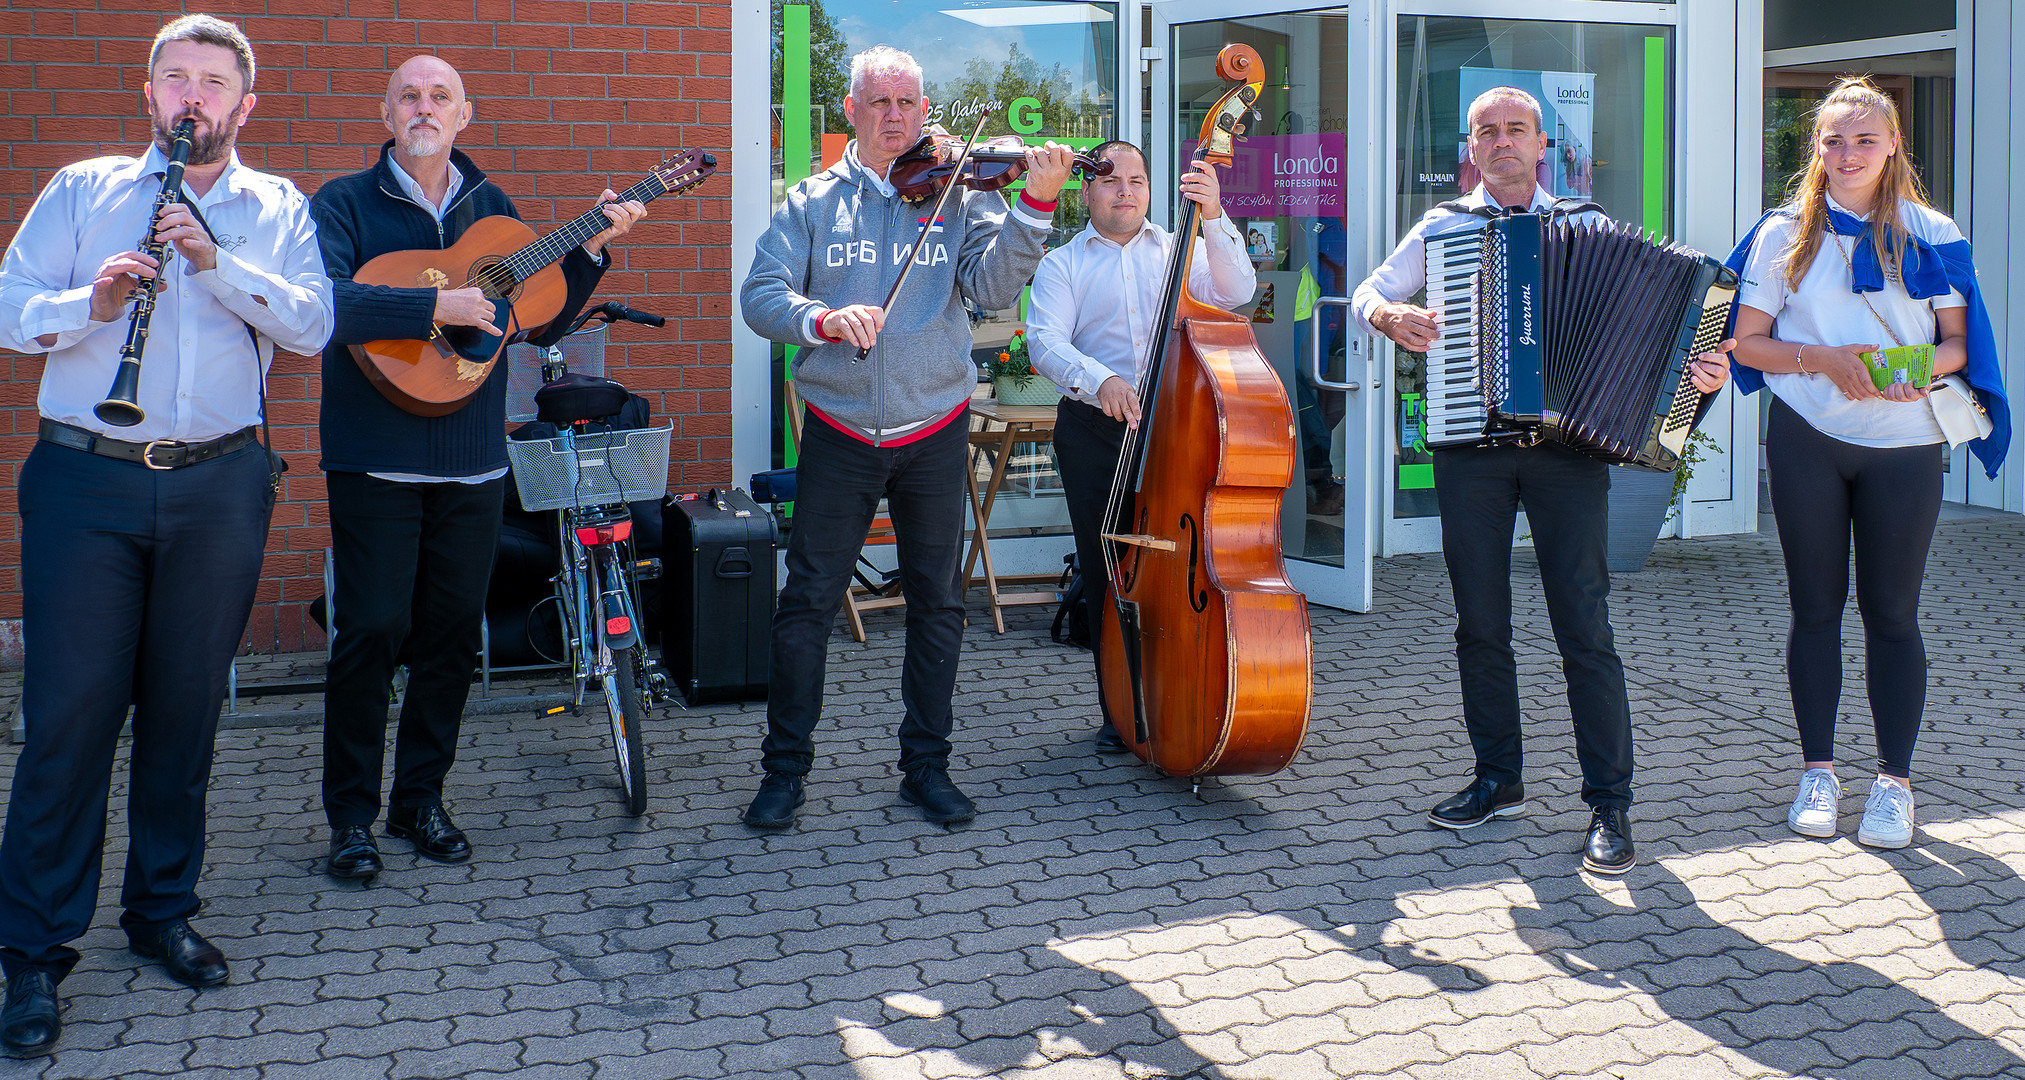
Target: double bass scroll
point(1204, 653)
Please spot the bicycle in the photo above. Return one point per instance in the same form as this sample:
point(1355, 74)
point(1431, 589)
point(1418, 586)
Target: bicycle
point(588, 477)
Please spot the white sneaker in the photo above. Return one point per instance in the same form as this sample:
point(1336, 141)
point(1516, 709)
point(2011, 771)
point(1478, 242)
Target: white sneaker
point(1887, 815)
point(1814, 807)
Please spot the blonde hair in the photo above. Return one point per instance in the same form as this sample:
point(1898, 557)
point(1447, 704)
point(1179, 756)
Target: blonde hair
point(1807, 198)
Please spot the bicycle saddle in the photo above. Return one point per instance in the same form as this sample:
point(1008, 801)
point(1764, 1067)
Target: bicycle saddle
point(577, 397)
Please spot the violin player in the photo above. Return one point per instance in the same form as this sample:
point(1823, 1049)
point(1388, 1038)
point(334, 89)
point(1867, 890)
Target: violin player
point(1479, 490)
point(414, 500)
point(1090, 328)
point(894, 426)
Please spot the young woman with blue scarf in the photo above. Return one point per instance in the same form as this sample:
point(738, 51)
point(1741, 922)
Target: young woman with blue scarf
point(1853, 263)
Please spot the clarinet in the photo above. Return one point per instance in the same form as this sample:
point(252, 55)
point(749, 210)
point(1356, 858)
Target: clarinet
point(119, 407)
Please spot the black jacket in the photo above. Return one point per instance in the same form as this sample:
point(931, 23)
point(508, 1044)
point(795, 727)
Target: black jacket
point(359, 218)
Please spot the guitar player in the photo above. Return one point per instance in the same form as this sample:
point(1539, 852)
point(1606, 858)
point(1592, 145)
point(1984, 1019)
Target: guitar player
point(414, 501)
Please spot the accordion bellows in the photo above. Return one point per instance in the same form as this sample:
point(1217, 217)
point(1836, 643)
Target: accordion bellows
point(1577, 333)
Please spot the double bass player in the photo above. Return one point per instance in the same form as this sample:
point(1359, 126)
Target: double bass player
point(1090, 328)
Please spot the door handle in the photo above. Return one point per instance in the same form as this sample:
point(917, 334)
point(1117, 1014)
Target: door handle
point(1356, 344)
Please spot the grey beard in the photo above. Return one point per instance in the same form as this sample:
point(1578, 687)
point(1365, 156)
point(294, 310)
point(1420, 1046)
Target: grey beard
point(422, 144)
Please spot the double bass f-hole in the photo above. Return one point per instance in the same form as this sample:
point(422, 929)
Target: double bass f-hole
point(1197, 598)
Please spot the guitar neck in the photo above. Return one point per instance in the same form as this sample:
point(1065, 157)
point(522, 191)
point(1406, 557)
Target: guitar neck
point(550, 249)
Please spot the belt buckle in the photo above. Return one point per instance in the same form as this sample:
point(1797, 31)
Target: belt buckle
point(148, 453)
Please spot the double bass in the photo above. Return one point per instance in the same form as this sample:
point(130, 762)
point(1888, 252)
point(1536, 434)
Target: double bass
point(1204, 652)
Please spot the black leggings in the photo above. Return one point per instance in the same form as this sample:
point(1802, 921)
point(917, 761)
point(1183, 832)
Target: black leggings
point(1822, 489)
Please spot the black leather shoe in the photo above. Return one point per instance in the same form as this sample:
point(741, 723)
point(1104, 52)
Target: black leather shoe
point(1108, 742)
point(353, 855)
point(928, 787)
point(30, 1025)
point(1480, 802)
point(780, 795)
point(184, 953)
point(1608, 849)
point(429, 828)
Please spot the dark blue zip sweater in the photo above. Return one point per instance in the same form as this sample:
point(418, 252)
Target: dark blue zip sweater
point(359, 218)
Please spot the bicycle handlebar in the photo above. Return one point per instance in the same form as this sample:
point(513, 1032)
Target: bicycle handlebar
point(612, 311)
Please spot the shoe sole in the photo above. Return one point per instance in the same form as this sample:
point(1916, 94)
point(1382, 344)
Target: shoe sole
point(1890, 844)
point(1820, 834)
point(769, 823)
point(411, 837)
point(1607, 871)
point(36, 1051)
point(349, 875)
point(937, 819)
point(1514, 810)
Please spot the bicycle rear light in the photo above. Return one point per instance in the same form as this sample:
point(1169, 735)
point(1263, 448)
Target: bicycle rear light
point(617, 625)
point(594, 535)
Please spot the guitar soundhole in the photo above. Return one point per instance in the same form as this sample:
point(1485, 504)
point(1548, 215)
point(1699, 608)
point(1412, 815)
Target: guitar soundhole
point(495, 278)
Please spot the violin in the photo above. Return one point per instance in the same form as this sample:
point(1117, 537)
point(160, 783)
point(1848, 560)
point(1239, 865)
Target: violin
point(928, 166)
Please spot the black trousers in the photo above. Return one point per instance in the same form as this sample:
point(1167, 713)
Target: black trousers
point(1826, 494)
point(136, 587)
point(1087, 445)
point(413, 563)
point(841, 481)
point(1480, 490)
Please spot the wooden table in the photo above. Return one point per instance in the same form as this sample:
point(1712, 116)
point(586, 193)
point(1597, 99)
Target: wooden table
point(1023, 425)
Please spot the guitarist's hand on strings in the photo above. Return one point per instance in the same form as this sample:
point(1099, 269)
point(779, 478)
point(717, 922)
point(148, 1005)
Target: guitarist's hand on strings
point(465, 307)
point(624, 216)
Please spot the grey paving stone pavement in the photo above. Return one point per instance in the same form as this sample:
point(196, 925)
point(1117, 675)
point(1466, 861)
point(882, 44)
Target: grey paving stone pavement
point(1099, 921)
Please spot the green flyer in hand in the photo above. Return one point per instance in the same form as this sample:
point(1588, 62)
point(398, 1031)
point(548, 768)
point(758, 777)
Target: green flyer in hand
point(1901, 364)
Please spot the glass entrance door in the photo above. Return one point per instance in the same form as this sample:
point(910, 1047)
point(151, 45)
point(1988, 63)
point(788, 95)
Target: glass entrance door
point(1301, 195)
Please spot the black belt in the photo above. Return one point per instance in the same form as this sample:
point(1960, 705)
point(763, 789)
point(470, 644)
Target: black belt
point(158, 454)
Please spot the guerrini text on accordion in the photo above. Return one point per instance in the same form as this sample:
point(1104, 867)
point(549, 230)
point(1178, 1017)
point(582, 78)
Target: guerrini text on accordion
point(1579, 333)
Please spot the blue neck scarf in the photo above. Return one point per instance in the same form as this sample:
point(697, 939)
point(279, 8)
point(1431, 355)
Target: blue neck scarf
point(1928, 271)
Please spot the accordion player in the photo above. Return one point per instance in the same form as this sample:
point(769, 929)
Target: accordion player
point(1579, 333)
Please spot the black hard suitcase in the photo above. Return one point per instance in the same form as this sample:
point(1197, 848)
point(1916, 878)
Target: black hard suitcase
point(718, 588)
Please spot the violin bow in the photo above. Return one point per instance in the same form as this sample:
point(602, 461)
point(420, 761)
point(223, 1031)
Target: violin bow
point(955, 181)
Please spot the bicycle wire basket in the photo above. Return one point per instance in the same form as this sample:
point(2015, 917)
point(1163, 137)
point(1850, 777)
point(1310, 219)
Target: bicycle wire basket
point(605, 467)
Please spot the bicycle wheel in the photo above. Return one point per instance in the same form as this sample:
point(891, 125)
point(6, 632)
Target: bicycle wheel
point(626, 704)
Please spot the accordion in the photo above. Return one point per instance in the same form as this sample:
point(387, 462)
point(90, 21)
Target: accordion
point(1578, 333)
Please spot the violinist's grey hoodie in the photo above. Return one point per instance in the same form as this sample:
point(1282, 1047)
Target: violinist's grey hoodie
point(838, 239)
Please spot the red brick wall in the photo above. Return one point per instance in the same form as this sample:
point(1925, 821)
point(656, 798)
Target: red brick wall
point(569, 97)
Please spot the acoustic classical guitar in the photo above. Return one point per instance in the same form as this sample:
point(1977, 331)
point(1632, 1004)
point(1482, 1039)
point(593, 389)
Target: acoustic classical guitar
point(500, 256)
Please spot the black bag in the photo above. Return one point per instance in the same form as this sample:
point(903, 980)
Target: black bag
point(719, 576)
point(1072, 617)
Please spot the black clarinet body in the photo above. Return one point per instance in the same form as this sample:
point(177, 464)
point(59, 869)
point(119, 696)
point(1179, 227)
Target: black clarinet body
point(120, 407)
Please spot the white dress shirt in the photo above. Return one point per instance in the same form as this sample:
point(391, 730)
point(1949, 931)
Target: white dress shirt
point(1094, 302)
point(200, 377)
point(1405, 273)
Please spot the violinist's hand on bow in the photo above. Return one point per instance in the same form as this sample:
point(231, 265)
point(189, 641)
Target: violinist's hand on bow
point(858, 324)
point(1048, 171)
point(1201, 188)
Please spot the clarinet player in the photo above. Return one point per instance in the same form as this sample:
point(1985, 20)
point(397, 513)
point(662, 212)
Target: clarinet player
point(141, 545)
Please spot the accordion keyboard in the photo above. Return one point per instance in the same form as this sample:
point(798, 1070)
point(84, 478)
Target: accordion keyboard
point(1456, 410)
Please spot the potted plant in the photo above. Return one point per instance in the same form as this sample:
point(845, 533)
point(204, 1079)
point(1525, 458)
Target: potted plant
point(1013, 378)
point(1642, 503)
